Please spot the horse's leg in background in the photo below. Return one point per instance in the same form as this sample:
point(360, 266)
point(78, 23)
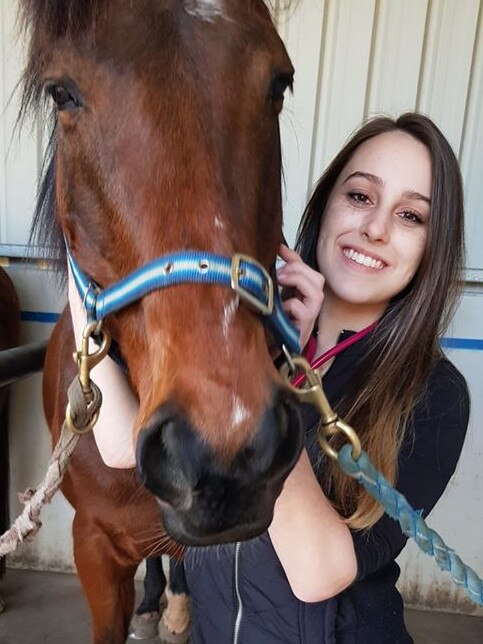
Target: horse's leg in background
point(174, 627)
point(107, 582)
point(9, 337)
point(144, 623)
point(4, 472)
point(4, 513)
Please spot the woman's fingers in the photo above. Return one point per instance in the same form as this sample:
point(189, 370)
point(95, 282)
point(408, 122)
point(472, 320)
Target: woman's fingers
point(303, 318)
point(307, 296)
point(288, 255)
point(302, 277)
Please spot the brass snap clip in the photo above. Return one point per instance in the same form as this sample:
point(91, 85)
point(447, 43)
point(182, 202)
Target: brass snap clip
point(86, 399)
point(313, 393)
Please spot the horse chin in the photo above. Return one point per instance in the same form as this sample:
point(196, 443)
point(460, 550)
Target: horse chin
point(205, 500)
point(182, 529)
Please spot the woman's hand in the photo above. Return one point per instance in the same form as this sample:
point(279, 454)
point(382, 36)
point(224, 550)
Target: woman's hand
point(308, 285)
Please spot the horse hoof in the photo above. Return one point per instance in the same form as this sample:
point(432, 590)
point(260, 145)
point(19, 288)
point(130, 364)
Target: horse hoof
point(167, 637)
point(144, 626)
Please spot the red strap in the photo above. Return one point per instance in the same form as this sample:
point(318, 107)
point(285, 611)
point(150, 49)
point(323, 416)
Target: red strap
point(325, 357)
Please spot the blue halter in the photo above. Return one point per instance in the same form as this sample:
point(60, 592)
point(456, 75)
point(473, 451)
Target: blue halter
point(250, 281)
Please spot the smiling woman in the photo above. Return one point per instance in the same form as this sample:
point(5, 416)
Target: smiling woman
point(403, 197)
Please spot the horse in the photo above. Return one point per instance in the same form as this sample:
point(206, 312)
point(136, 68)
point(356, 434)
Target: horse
point(166, 138)
point(9, 338)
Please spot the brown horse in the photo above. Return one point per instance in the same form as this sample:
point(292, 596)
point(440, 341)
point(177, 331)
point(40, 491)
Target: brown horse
point(167, 138)
point(9, 337)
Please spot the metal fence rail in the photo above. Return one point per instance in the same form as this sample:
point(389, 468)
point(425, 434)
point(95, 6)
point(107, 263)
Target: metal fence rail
point(21, 362)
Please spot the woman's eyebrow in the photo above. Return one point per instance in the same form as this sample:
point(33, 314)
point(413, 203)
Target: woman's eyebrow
point(412, 194)
point(366, 175)
point(407, 194)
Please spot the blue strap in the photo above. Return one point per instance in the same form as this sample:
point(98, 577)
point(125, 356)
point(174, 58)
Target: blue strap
point(194, 267)
point(412, 523)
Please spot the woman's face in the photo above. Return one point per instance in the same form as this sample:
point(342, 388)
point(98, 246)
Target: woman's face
point(376, 221)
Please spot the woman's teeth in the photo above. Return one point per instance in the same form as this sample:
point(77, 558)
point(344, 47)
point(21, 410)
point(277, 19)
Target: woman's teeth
point(365, 260)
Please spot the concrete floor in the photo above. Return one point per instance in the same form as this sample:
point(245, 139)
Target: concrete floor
point(48, 608)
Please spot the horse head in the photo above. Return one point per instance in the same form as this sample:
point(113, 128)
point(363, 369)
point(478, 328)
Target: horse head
point(166, 139)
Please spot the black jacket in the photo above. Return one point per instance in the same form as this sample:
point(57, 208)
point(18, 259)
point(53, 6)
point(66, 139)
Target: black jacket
point(240, 592)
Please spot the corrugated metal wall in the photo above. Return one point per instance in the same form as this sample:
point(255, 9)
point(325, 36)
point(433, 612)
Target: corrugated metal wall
point(353, 58)
point(357, 58)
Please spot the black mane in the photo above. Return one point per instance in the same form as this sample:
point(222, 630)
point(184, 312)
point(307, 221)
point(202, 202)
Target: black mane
point(46, 238)
point(44, 21)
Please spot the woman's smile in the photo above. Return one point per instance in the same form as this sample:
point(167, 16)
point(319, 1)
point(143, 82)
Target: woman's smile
point(360, 260)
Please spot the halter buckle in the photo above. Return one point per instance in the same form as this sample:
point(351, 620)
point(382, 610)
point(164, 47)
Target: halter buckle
point(237, 274)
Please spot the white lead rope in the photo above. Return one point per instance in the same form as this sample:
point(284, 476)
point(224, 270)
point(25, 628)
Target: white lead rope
point(28, 523)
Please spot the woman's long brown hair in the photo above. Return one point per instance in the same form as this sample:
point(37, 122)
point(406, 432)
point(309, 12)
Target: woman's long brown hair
point(405, 345)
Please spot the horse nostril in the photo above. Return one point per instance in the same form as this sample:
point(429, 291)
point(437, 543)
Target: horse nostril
point(168, 452)
point(278, 440)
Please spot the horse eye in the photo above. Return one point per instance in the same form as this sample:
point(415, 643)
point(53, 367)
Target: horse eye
point(64, 97)
point(280, 83)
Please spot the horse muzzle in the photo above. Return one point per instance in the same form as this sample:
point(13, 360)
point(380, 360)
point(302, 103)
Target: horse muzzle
point(203, 498)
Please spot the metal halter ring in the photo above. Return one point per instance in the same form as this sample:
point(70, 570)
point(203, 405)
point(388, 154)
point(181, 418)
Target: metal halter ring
point(80, 431)
point(325, 431)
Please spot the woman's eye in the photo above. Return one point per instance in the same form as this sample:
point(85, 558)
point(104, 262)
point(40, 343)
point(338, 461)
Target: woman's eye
point(359, 197)
point(63, 97)
point(412, 217)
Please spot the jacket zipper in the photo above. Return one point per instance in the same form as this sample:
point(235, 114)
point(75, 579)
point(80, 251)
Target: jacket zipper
point(239, 614)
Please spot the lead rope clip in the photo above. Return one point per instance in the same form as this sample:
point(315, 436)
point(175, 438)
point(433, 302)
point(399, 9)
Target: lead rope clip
point(313, 393)
point(85, 398)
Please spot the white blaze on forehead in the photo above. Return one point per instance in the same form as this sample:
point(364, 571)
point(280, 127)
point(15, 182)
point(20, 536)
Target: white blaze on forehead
point(228, 315)
point(205, 9)
point(219, 223)
point(239, 413)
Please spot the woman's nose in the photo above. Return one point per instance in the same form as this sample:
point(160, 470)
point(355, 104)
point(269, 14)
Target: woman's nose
point(375, 225)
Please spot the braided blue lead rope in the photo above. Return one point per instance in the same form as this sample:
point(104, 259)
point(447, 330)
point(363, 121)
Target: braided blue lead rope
point(411, 521)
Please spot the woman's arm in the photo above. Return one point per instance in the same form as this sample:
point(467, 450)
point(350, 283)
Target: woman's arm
point(312, 542)
point(318, 552)
point(113, 431)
